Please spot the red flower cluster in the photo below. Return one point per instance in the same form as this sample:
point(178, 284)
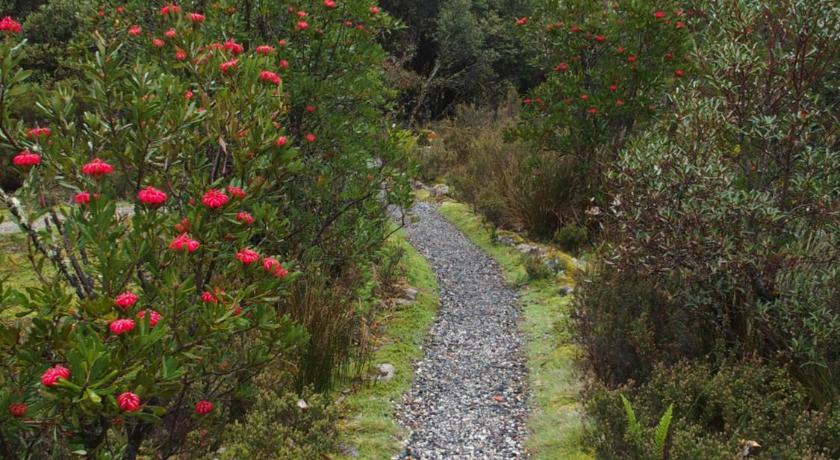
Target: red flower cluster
point(196, 18)
point(281, 141)
point(203, 407)
point(330, 4)
point(233, 47)
point(265, 50)
point(245, 218)
point(151, 196)
point(50, 376)
point(135, 30)
point(214, 199)
point(97, 168)
point(170, 10)
point(227, 65)
point(247, 256)
point(561, 67)
point(522, 21)
point(38, 132)
point(128, 402)
point(269, 77)
point(310, 138)
point(170, 33)
point(236, 192)
point(26, 158)
point(154, 317)
point(121, 326)
point(158, 43)
point(125, 300)
point(183, 242)
point(17, 410)
point(9, 26)
point(274, 267)
point(208, 297)
point(82, 198)
point(180, 55)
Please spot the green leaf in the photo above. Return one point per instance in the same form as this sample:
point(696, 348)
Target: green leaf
point(662, 430)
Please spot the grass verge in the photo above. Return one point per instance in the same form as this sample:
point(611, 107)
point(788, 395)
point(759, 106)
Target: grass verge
point(370, 427)
point(556, 421)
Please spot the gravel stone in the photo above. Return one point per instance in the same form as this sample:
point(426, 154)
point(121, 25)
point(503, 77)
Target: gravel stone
point(470, 397)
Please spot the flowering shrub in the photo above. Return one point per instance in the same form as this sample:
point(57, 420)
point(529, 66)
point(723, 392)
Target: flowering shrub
point(154, 314)
point(608, 68)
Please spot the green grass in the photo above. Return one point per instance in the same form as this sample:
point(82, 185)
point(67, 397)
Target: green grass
point(370, 426)
point(556, 421)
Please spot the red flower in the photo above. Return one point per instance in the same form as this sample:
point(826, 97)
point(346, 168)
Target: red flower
point(214, 199)
point(135, 30)
point(233, 47)
point(584, 97)
point(284, 64)
point(158, 43)
point(631, 59)
point(26, 158)
point(151, 196)
point(38, 132)
point(659, 14)
point(183, 243)
point(196, 18)
point(227, 65)
point(301, 14)
point(17, 410)
point(188, 95)
point(281, 141)
point(128, 401)
point(97, 168)
point(9, 26)
point(170, 33)
point(120, 9)
point(526, 101)
point(274, 267)
point(374, 10)
point(247, 256)
point(180, 55)
point(236, 192)
point(600, 38)
point(269, 77)
point(183, 226)
point(561, 67)
point(522, 21)
point(282, 42)
point(121, 326)
point(613, 88)
point(310, 137)
point(619, 103)
point(245, 218)
point(309, 108)
point(50, 376)
point(265, 49)
point(170, 9)
point(592, 111)
point(154, 317)
point(203, 407)
point(620, 50)
point(125, 300)
point(208, 297)
point(329, 4)
point(679, 73)
point(575, 29)
point(679, 25)
point(82, 198)
point(302, 25)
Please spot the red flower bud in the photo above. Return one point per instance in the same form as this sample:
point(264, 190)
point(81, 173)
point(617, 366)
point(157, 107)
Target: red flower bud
point(151, 196)
point(154, 317)
point(203, 407)
point(245, 218)
point(17, 410)
point(128, 401)
point(214, 199)
point(247, 256)
point(9, 26)
point(50, 376)
point(125, 300)
point(121, 326)
point(26, 158)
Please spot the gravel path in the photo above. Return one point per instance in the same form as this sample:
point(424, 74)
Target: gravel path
point(469, 400)
point(7, 226)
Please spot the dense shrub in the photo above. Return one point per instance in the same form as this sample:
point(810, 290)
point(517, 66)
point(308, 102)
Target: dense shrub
point(718, 288)
point(241, 158)
point(714, 410)
point(608, 66)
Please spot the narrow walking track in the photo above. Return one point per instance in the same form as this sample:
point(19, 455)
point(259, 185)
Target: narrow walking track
point(470, 397)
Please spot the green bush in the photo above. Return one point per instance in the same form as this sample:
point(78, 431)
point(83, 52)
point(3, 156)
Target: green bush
point(715, 408)
point(571, 237)
point(282, 424)
point(536, 268)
